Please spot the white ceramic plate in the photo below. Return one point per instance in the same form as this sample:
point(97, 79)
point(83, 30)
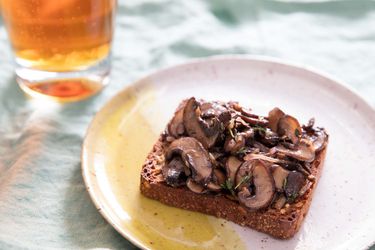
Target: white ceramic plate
point(341, 215)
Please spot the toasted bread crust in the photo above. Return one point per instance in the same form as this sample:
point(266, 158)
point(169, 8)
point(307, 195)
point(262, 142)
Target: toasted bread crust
point(281, 224)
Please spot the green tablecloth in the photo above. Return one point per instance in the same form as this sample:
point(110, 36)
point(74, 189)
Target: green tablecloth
point(43, 201)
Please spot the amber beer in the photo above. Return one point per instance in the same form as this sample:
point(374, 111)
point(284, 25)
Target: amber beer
point(59, 36)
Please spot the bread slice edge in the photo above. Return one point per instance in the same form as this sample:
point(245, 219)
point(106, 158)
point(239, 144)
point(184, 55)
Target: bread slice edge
point(282, 224)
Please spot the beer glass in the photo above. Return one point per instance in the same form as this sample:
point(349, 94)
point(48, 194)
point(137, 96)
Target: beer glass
point(61, 47)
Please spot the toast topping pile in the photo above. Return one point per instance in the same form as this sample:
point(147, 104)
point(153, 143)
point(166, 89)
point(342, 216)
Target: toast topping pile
point(224, 149)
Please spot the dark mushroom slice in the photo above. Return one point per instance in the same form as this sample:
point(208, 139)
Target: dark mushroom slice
point(309, 128)
point(248, 134)
point(204, 131)
point(262, 148)
point(237, 107)
point(176, 126)
point(294, 183)
point(195, 187)
point(241, 111)
point(241, 123)
point(279, 175)
point(289, 126)
point(174, 172)
point(307, 167)
point(233, 145)
point(194, 156)
point(231, 166)
point(260, 121)
point(300, 168)
point(269, 138)
point(215, 109)
point(303, 152)
point(264, 188)
point(247, 112)
point(273, 118)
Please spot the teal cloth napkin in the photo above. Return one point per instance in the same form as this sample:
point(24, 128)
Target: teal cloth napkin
point(43, 201)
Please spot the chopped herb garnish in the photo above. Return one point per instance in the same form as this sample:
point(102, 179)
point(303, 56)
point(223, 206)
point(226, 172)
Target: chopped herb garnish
point(228, 185)
point(243, 181)
point(259, 128)
point(292, 197)
point(242, 150)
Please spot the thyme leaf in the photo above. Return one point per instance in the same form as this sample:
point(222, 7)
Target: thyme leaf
point(292, 197)
point(243, 181)
point(242, 150)
point(259, 128)
point(228, 185)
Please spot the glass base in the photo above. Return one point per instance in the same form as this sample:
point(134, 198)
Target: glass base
point(63, 86)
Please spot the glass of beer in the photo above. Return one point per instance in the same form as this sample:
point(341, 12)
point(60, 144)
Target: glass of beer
point(61, 47)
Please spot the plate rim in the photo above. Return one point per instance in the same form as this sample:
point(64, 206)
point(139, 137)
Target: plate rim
point(333, 80)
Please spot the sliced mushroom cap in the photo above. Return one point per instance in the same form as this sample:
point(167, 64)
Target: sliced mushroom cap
point(294, 182)
point(289, 126)
point(273, 118)
point(231, 166)
point(279, 175)
point(174, 173)
point(194, 156)
point(215, 109)
point(214, 187)
point(206, 132)
point(320, 140)
point(195, 187)
point(176, 126)
point(233, 145)
point(217, 182)
point(264, 188)
point(303, 152)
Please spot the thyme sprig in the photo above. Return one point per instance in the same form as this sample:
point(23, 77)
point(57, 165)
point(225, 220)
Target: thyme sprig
point(228, 184)
point(244, 180)
point(259, 129)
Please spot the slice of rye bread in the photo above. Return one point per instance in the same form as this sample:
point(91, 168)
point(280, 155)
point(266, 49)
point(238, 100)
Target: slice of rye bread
point(283, 223)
